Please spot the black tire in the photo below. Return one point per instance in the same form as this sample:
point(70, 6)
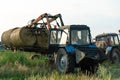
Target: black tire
point(115, 56)
point(35, 56)
point(65, 62)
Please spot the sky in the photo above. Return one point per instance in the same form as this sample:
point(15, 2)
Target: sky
point(101, 16)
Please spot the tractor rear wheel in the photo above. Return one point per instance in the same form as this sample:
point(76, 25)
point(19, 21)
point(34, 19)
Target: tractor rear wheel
point(65, 62)
point(115, 56)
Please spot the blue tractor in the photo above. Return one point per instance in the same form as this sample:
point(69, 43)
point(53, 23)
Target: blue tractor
point(109, 43)
point(72, 47)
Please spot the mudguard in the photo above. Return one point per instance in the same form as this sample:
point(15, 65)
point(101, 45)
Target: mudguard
point(70, 49)
point(79, 55)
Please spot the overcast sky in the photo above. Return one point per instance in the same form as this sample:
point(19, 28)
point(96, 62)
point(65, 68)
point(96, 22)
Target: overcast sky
point(100, 15)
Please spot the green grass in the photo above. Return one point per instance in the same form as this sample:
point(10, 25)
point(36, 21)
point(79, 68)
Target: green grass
point(19, 66)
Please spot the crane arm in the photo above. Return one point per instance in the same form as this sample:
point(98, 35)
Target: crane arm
point(38, 19)
point(49, 19)
point(55, 17)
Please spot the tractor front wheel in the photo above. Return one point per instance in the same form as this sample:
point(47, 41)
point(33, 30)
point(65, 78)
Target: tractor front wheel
point(115, 56)
point(65, 62)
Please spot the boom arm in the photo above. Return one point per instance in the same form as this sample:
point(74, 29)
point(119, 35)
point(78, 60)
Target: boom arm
point(38, 19)
point(49, 19)
point(55, 17)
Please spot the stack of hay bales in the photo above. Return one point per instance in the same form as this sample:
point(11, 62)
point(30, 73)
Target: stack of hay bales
point(18, 37)
point(5, 38)
point(24, 37)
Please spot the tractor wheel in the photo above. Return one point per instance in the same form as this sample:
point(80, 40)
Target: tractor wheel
point(65, 62)
point(115, 56)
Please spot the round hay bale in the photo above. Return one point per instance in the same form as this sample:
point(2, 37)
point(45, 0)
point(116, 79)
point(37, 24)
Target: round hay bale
point(22, 37)
point(43, 38)
point(5, 38)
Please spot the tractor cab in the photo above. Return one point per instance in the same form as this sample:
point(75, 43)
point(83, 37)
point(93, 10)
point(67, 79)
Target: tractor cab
point(108, 39)
point(80, 35)
point(76, 35)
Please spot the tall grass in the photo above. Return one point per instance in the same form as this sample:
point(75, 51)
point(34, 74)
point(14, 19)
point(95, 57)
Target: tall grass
point(19, 66)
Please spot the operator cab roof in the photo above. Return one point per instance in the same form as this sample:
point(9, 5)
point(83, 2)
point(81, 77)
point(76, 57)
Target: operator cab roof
point(74, 27)
point(106, 34)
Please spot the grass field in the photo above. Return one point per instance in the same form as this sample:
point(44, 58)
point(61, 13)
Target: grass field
point(19, 66)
